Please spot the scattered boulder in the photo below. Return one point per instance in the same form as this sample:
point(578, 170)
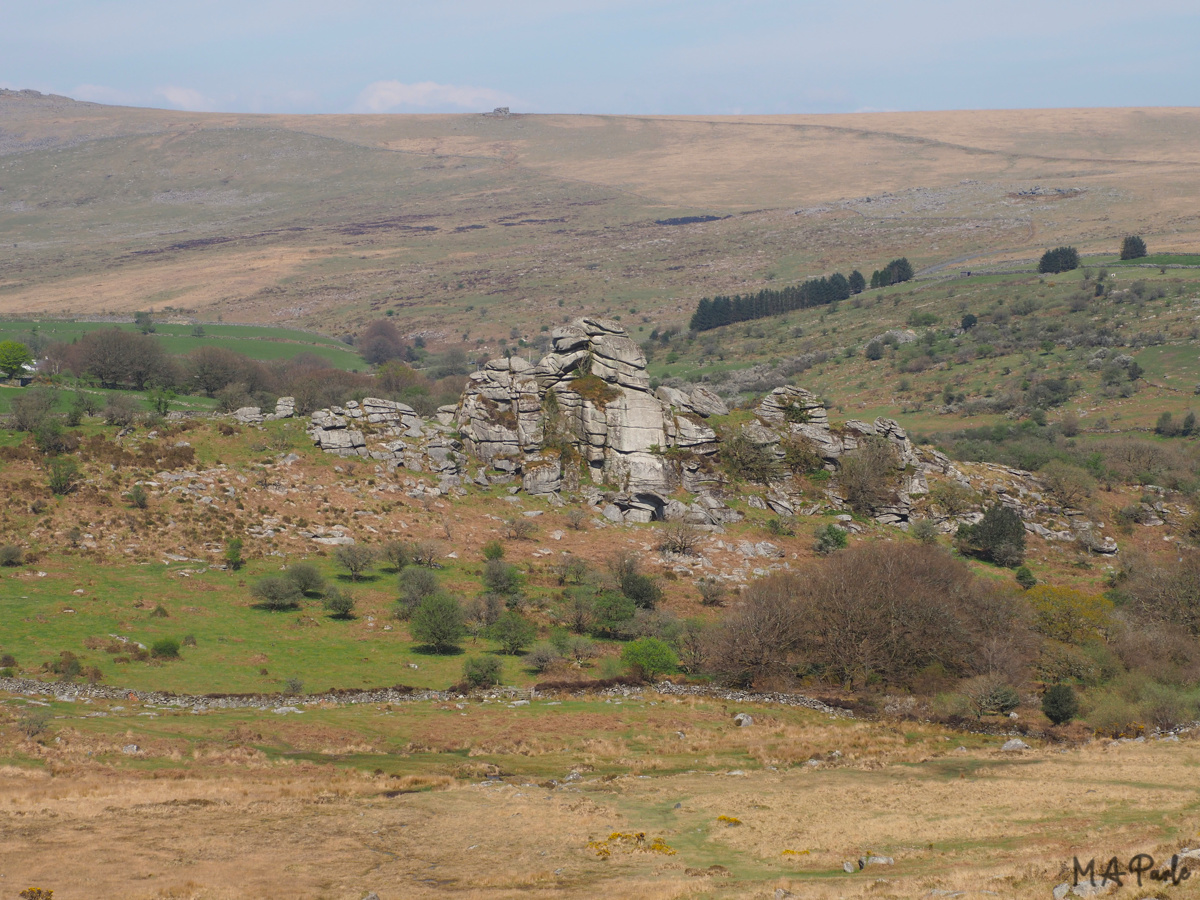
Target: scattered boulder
point(1015, 745)
point(743, 720)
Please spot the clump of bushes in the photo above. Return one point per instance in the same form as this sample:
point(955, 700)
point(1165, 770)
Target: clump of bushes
point(481, 671)
point(165, 648)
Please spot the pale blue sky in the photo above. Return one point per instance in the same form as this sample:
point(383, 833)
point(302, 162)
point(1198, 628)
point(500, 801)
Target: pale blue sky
point(605, 56)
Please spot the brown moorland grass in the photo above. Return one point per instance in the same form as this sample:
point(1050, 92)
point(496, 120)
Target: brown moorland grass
point(232, 820)
point(483, 224)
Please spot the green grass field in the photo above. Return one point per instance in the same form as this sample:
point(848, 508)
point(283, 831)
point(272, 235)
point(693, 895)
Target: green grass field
point(1161, 259)
point(255, 341)
point(235, 640)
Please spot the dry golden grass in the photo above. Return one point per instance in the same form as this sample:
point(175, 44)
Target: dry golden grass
point(564, 207)
point(233, 824)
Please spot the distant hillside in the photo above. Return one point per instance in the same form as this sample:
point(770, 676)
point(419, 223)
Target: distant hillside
point(468, 227)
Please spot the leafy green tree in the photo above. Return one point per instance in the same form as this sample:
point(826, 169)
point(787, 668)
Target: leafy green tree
point(1025, 578)
point(144, 322)
point(609, 611)
point(513, 632)
point(13, 357)
point(233, 554)
point(649, 657)
point(437, 623)
point(1060, 704)
point(857, 282)
point(1133, 247)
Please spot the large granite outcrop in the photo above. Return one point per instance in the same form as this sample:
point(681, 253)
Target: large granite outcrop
point(590, 399)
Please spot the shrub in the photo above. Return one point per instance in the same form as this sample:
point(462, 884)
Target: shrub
point(355, 559)
point(577, 518)
point(437, 622)
point(397, 554)
point(493, 550)
point(481, 671)
point(1025, 578)
point(426, 553)
point(1071, 484)
point(989, 695)
point(12, 555)
point(165, 648)
point(780, 528)
point(512, 632)
point(63, 472)
point(649, 657)
point(746, 460)
point(712, 591)
point(339, 604)
point(138, 497)
point(680, 538)
point(829, 538)
point(276, 592)
point(33, 722)
point(189, 640)
point(415, 585)
point(521, 528)
point(867, 476)
point(641, 589)
point(924, 531)
point(542, 656)
point(32, 408)
point(307, 577)
point(1060, 704)
point(501, 578)
point(120, 410)
point(999, 537)
point(8, 661)
point(50, 437)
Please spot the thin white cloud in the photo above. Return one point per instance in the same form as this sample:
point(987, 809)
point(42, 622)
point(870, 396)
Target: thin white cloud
point(427, 96)
point(186, 98)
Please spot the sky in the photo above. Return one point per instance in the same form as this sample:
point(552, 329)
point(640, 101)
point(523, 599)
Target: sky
point(696, 57)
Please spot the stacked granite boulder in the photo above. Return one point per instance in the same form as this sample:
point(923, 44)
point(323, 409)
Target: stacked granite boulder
point(590, 399)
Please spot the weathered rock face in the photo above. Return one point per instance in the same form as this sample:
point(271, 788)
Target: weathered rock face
point(589, 397)
point(393, 433)
point(794, 413)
